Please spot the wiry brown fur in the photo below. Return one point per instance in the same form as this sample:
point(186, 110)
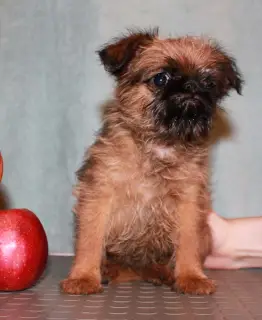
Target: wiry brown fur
point(142, 203)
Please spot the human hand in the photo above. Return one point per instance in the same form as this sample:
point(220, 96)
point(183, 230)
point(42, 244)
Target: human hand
point(222, 255)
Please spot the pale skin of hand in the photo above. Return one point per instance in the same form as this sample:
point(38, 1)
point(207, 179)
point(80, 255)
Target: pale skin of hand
point(237, 243)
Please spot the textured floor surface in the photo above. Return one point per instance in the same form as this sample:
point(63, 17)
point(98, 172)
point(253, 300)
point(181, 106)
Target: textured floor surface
point(239, 296)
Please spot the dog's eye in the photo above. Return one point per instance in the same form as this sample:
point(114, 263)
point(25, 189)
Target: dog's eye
point(208, 83)
point(161, 79)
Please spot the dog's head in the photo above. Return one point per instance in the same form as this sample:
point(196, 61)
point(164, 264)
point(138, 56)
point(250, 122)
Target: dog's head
point(170, 87)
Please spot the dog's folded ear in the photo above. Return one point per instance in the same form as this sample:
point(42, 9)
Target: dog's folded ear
point(116, 56)
point(230, 71)
point(233, 76)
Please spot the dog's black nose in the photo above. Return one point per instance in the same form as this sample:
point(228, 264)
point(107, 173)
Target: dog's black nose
point(191, 86)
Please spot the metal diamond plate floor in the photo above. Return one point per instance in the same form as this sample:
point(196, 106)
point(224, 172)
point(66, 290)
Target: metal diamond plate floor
point(239, 296)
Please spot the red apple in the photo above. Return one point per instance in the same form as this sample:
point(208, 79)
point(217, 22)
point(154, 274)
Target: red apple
point(23, 249)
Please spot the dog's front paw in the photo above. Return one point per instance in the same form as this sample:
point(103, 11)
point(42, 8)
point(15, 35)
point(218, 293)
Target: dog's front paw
point(194, 285)
point(81, 286)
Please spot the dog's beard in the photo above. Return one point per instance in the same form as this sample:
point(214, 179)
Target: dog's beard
point(183, 118)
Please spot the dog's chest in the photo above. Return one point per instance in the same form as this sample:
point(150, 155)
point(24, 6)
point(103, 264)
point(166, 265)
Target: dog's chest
point(143, 215)
point(141, 187)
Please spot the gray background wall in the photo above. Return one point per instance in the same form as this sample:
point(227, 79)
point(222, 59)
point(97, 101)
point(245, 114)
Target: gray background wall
point(51, 86)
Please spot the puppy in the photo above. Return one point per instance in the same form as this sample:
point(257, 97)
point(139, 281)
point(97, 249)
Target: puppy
point(143, 190)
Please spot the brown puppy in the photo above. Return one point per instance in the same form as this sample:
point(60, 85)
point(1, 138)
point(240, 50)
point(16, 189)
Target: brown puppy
point(143, 191)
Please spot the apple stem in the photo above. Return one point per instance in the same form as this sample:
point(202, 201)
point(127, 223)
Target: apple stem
point(1, 166)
